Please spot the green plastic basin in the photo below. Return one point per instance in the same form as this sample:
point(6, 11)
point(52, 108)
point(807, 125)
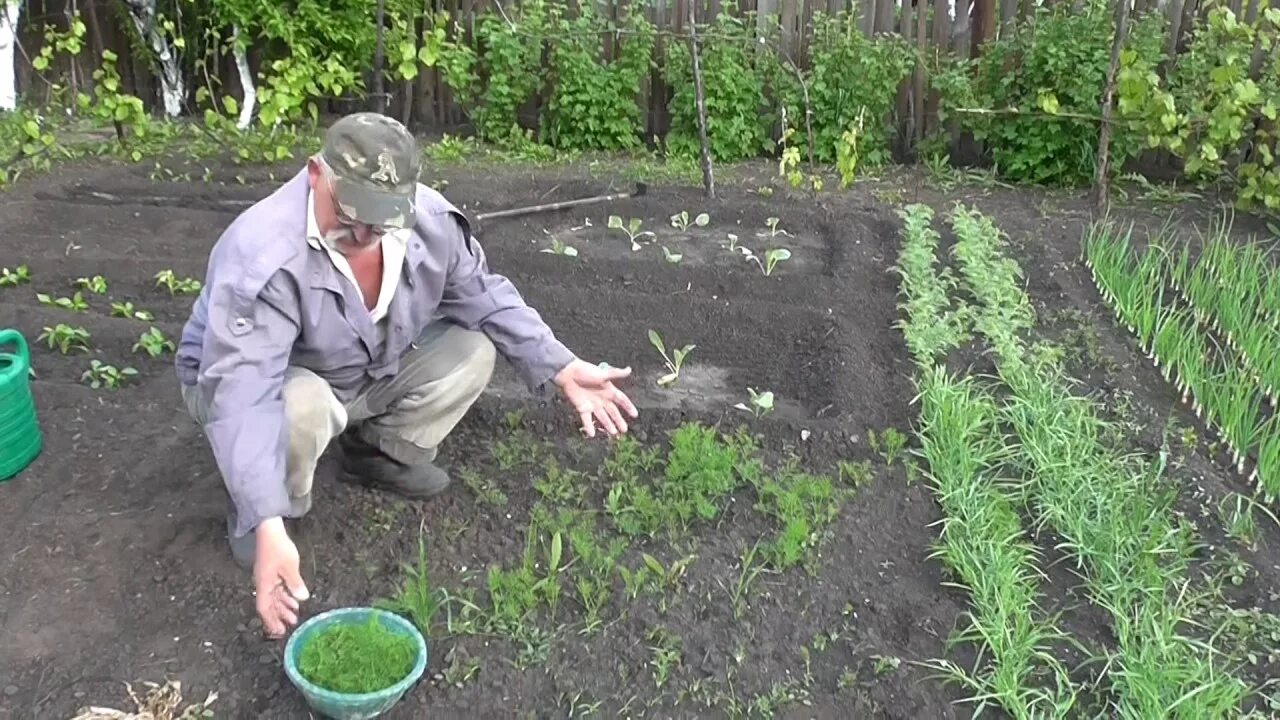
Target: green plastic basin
point(20, 439)
point(349, 706)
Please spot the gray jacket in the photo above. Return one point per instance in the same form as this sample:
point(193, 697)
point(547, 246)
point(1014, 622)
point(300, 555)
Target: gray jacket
point(270, 300)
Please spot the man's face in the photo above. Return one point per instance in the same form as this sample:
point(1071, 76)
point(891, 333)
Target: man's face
point(337, 230)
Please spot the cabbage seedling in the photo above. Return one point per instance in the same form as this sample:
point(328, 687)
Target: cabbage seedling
point(774, 230)
point(14, 277)
point(674, 361)
point(632, 229)
point(126, 310)
point(680, 220)
point(153, 342)
point(75, 302)
point(176, 285)
point(761, 403)
point(771, 258)
point(101, 375)
point(670, 256)
point(96, 284)
point(66, 338)
point(559, 248)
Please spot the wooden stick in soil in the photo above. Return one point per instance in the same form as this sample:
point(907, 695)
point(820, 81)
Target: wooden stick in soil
point(1108, 94)
point(708, 179)
point(380, 97)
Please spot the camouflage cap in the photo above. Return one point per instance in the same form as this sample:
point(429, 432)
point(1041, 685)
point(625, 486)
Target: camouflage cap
point(375, 167)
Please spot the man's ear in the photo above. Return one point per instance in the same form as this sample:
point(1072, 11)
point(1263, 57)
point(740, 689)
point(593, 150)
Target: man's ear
point(313, 172)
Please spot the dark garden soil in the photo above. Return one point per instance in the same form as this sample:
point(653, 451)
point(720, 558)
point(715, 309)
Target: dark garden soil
point(117, 568)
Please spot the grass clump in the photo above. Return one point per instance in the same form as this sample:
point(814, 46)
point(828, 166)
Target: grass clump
point(982, 543)
point(1113, 510)
point(357, 658)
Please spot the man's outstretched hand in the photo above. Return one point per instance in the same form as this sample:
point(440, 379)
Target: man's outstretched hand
point(590, 389)
point(277, 578)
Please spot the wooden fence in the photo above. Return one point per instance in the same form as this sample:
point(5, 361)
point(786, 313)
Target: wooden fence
point(957, 27)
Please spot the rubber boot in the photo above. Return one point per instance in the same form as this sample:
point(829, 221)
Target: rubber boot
point(363, 464)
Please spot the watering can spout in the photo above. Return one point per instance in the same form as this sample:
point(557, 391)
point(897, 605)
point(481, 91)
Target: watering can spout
point(20, 437)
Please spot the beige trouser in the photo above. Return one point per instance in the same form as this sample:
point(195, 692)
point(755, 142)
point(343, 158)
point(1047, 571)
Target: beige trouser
point(406, 415)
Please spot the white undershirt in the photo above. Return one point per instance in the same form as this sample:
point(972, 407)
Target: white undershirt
point(393, 248)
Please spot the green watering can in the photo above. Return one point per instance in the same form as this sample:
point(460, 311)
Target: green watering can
point(20, 440)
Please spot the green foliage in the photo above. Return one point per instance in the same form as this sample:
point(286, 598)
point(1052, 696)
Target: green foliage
point(593, 104)
point(357, 657)
point(1054, 67)
point(854, 84)
point(116, 107)
point(328, 42)
point(1210, 109)
point(734, 71)
point(499, 71)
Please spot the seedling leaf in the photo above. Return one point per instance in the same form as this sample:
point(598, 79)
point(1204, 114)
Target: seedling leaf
point(657, 341)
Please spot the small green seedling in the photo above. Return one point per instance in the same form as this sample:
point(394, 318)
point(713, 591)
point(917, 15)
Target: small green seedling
point(176, 285)
point(66, 338)
point(559, 248)
point(886, 663)
point(96, 284)
point(761, 403)
point(126, 310)
point(774, 230)
point(888, 444)
point(74, 303)
point(416, 599)
point(100, 375)
point(771, 258)
point(670, 256)
point(11, 278)
point(632, 229)
point(680, 220)
point(154, 343)
point(674, 361)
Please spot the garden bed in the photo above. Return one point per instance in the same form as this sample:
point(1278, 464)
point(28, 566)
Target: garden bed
point(119, 569)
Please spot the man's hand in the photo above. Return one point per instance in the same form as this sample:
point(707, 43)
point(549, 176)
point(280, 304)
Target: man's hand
point(590, 389)
point(277, 578)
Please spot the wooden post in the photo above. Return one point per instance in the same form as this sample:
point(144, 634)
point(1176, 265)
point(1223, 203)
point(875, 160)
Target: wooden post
point(708, 179)
point(1104, 135)
point(379, 95)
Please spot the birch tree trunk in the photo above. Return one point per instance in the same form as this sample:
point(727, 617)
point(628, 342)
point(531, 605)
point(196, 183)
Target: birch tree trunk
point(8, 43)
point(246, 79)
point(172, 86)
